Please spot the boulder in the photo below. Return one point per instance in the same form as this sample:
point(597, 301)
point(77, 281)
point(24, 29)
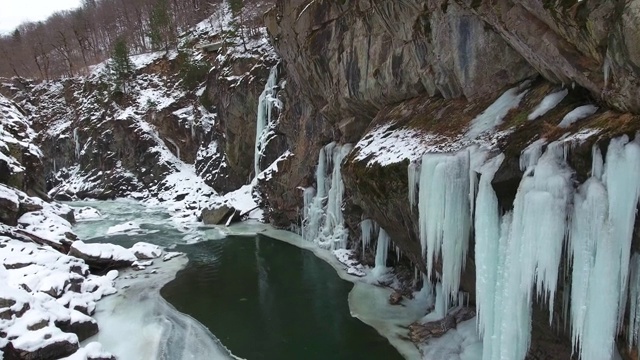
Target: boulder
point(217, 214)
point(85, 328)
point(102, 256)
point(9, 210)
point(52, 351)
point(145, 251)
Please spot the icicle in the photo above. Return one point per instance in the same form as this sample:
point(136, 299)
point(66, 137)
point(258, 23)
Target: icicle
point(382, 250)
point(334, 230)
point(597, 164)
point(414, 179)
point(540, 217)
point(621, 178)
point(493, 333)
point(444, 215)
point(76, 139)
point(634, 299)
point(367, 229)
point(267, 101)
point(440, 309)
point(324, 224)
point(600, 244)
point(487, 226)
point(528, 251)
point(531, 154)
point(307, 198)
point(588, 229)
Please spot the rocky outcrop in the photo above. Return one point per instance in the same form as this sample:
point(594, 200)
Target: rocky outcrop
point(592, 44)
point(352, 58)
point(20, 158)
point(235, 91)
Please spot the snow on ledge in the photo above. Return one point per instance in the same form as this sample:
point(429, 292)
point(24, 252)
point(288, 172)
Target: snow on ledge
point(386, 146)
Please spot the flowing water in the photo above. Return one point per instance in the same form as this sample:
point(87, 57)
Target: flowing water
point(262, 298)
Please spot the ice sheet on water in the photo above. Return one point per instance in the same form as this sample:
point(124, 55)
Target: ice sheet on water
point(154, 329)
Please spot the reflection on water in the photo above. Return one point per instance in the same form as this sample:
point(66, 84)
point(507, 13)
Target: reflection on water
point(265, 299)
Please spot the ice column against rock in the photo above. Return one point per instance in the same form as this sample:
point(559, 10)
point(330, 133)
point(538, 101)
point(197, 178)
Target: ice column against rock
point(76, 140)
point(520, 258)
point(324, 223)
point(368, 229)
point(523, 254)
point(487, 236)
point(382, 250)
point(600, 244)
point(621, 170)
point(267, 101)
point(445, 216)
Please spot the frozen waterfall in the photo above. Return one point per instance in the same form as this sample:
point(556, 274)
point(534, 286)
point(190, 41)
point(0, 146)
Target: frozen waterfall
point(76, 140)
point(518, 255)
point(382, 250)
point(324, 222)
point(368, 228)
point(445, 215)
point(265, 122)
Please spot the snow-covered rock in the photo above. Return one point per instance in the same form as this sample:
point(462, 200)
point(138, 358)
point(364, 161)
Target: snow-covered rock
point(45, 299)
point(127, 227)
point(102, 256)
point(87, 213)
point(146, 251)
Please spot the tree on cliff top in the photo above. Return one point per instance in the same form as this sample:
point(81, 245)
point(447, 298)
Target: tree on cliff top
point(120, 64)
point(160, 27)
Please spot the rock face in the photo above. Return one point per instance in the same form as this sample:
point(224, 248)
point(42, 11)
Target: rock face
point(20, 159)
point(354, 57)
point(235, 126)
point(103, 142)
point(593, 44)
point(346, 61)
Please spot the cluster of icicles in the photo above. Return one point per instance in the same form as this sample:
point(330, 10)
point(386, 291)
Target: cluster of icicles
point(518, 253)
point(323, 220)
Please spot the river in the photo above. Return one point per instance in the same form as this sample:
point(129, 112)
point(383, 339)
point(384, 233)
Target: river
point(262, 298)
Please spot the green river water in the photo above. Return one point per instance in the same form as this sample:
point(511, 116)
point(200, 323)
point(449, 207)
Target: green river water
point(262, 298)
